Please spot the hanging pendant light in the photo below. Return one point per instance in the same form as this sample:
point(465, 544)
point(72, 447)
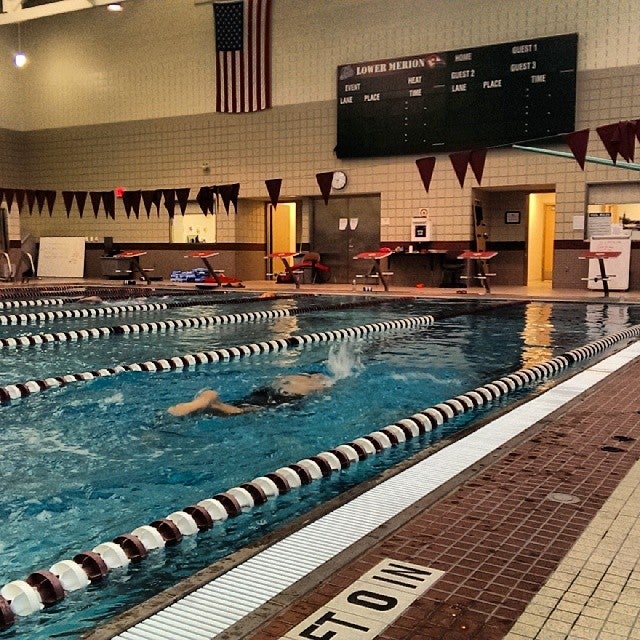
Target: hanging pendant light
point(20, 57)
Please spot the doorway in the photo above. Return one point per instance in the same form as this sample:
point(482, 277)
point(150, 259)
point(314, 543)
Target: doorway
point(280, 230)
point(540, 237)
point(344, 228)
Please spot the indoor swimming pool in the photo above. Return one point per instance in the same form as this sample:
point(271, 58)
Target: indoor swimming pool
point(85, 462)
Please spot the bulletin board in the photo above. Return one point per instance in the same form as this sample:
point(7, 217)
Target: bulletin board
point(61, 257)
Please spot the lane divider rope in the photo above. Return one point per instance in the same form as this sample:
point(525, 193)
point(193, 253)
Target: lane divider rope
point(47, 587)
point(37, 339)
point(40, 302)
point(21, 390)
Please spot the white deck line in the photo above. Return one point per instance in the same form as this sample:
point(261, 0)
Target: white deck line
point(227, 599)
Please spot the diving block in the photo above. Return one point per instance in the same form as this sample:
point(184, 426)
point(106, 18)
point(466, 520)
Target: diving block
point(480, 258)
point(292, 273)
point(215, 277)
point(600, 256)
point(134, 263)
point(376, 272)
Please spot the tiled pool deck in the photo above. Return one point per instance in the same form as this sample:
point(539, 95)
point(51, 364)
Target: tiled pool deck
point(517, 563)
point(540, 539)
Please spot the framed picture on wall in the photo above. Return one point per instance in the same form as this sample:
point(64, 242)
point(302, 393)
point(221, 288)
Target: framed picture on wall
point(512, 217)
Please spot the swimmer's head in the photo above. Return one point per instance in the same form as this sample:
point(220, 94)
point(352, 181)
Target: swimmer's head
point(298, 385)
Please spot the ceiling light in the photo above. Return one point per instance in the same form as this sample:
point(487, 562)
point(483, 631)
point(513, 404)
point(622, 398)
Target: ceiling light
point(20, 59)
point(114, 6)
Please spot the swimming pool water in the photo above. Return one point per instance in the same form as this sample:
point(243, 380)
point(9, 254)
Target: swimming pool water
point(84, 463)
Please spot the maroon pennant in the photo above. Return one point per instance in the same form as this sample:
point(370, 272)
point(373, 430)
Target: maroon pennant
point(425, 167)
point(147, 201)
point(636, 123)
point(67, 198)
point(235, 192)
point(20, 193)
point(8, 194)
point(627, 130)
point(273, 187)
point(131, 201)
point(50, 198)
point(225, 191)
point(157, 199)
point(170, 201)
point(31, 198)
point(182, 196)
point(578, 141)
point(81, 199)
point(205, 200)
point(109, 201)
point(96, 199)
point(324, 181)
point(40, 196)
point(610, 136)
point(1, 194)
point(476, 162)
point(460, 162)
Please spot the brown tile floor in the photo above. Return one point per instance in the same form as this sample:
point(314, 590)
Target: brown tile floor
point(499, 536)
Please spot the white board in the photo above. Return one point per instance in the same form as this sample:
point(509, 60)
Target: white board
point(617, 267)
point(61, 257)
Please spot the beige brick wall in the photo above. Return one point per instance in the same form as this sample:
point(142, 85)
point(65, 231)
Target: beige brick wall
point(126, 101)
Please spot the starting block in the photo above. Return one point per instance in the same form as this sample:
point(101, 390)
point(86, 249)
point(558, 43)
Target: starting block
point(214, 277)
point(134, 264)
point(375, 273)
point(600, 256)
point(480, 258)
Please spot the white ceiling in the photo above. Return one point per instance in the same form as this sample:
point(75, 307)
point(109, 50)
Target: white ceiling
point(14, 12)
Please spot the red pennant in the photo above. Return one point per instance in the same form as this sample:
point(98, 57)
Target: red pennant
point(425, 167)
point(182, 196)
point(610, 136)
point(578, 141)
point(67, 197)
point(476, 162)
point(273, 187)
point(460, 162)
point(324, 181)
point(81, 199)
point(96, 199)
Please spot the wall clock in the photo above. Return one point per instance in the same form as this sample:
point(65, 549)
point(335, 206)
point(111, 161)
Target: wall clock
point(339, 180)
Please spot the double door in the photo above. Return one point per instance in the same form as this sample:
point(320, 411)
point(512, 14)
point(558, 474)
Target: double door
point(344, 228)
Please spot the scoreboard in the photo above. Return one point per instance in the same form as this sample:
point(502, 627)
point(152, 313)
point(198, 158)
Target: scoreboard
point(458, 100)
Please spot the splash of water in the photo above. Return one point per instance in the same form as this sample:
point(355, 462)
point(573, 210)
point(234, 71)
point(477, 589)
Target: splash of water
point(344, 360)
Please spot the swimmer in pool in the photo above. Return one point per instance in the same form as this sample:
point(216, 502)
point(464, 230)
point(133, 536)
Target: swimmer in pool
point(283, 390)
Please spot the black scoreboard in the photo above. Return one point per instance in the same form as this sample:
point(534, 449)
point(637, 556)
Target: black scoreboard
point(458, 100)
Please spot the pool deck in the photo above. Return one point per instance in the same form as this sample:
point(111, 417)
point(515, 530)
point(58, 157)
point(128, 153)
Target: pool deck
point(540, 539)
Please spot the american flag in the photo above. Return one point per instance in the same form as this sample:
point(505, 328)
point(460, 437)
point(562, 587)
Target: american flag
point(243, 55)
